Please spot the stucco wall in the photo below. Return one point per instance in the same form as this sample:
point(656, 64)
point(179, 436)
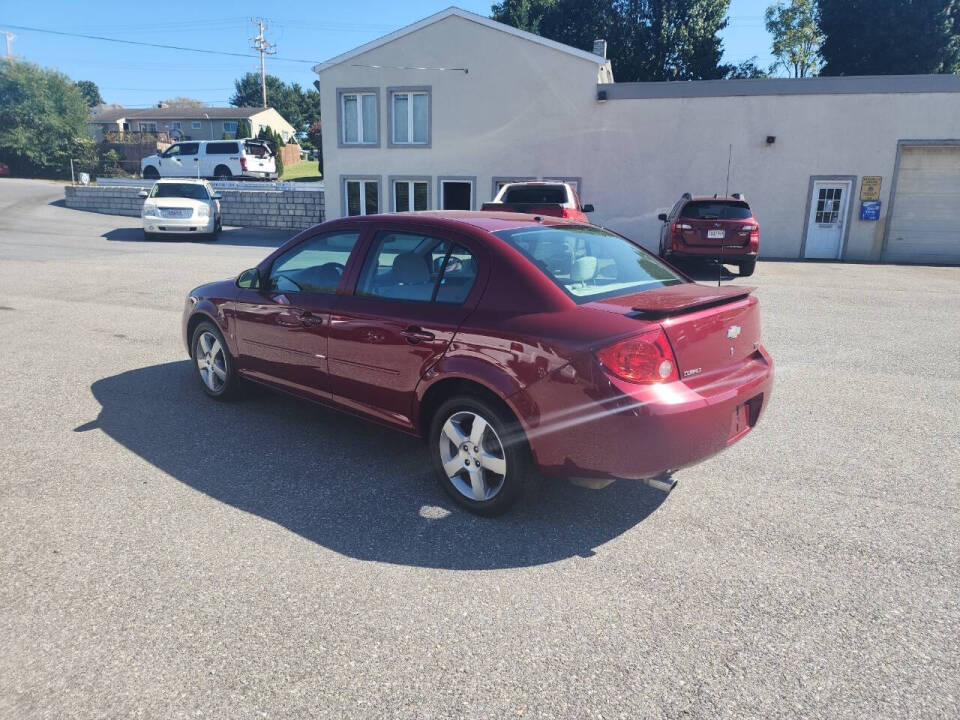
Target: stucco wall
point(287, 209)
point(527, 110)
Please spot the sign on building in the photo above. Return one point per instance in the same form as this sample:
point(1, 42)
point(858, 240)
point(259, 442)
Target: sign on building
point(870, 187)
point(870, 210)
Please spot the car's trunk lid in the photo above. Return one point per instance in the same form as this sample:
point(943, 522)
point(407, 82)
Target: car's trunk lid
point(709, 328)
point(715, 233)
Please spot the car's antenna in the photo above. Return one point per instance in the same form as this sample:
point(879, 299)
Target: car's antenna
point(729, 161)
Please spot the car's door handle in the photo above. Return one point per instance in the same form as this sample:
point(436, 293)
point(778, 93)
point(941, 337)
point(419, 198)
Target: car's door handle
point(413, 334)
point(311, 320)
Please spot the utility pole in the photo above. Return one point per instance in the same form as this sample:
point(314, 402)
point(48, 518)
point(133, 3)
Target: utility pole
point(10, 37)
point(263, 47)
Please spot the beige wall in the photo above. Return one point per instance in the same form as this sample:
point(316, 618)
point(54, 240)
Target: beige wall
point(527, 110)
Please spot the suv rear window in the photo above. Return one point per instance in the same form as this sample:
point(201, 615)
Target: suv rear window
point(257, 149)
point(589, 263)
point(716, 210)
point(534, 194)
point(222, 148)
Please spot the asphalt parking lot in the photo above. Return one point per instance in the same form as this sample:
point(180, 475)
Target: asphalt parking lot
point(166, 556)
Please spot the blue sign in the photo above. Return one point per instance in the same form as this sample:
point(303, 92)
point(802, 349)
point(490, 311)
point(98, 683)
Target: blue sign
point(870, 210)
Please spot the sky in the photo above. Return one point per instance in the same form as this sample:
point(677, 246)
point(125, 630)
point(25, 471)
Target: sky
point(302, 31)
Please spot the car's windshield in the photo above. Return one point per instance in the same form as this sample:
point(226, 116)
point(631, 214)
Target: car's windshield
point(716, 210)
point(536, 194)
point(179, 190)
point(589, 263)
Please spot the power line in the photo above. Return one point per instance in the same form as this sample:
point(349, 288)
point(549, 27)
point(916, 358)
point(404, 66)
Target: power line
point(156, 45)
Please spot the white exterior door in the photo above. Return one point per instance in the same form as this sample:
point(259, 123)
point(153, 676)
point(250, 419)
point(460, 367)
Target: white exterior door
point(828, 215)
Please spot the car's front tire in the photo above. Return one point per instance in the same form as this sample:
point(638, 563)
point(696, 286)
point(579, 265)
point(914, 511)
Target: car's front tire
point(213, 363)
point(479, 453)
point(151, 172)
point(747, 267)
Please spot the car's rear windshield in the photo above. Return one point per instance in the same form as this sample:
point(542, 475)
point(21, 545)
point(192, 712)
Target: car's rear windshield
point(179, 190)
point(589, 263)
point(257, 149)
point(536, 194)
point(716, 210)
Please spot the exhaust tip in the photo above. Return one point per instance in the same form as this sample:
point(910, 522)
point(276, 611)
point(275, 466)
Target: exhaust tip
point(664, 482)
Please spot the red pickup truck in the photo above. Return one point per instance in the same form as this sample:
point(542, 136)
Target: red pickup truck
point(556, 199)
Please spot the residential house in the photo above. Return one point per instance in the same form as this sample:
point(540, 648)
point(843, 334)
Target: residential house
point(188, 123)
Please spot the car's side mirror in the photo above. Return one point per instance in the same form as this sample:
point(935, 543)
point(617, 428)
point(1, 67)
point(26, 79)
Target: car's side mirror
point(249, 279)
point(143, 194)
point(662, 217)
point(216, 196)
point(587, 208)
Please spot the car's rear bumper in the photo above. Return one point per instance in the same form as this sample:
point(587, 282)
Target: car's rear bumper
point(726, 253)
point(590, 427)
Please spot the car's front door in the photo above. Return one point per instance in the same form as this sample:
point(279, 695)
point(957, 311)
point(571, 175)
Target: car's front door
point(189, 158)
point(413, 291)
point(171, 162)
point(282, 327)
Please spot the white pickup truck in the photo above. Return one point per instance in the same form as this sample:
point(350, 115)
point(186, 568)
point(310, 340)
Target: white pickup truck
point(221, 159)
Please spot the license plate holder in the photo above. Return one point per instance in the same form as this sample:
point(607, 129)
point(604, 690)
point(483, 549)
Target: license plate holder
point(716, 234)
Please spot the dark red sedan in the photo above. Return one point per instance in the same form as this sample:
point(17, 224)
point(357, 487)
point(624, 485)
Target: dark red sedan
point(510, 342)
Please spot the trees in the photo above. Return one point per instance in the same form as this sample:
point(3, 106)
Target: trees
point(315, 136)
point(885, 37)
point(90, 92)
point(795, 28)
point(648, 39)
point(298, 106)
point(43, 121)
point(267, 133)
point(243, 129)
point(183, 102)
point(748, 69)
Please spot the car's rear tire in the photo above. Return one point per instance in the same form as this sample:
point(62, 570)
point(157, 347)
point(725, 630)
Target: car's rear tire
point(151, 172)
point(747, 267)
point(479, 454)
point(222, 172)
point(213, 363)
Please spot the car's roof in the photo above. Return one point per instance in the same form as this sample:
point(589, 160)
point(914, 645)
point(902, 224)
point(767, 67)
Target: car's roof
point(181, 181)
point(716, 198)
point(483, 220)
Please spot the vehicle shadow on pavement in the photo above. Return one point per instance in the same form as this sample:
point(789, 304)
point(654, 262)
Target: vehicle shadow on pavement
point(354, 487)
point(703, 271)
point(246, 237)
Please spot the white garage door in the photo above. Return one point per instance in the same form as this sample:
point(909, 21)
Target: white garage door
point(925, 227)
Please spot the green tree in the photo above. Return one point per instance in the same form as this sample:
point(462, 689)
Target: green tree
point(748, 69)
point(298, 106)
point(267, 133)
point(315, 136)
point(795, 27)
point(183, 102)
point(890, 37)
point(43, 121)
point(647, 39)
point(90, 91)
point(243, 129)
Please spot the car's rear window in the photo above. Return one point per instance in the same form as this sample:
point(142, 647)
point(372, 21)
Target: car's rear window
point(589, 263)
point(716, 210)
point(257, 150)
point(179, 190)
point(536, 194)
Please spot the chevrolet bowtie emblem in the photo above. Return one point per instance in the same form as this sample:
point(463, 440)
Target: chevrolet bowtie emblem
point(733, 332)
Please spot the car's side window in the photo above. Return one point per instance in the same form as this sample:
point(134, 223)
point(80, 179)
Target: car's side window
point(172, 151)
point(421, 268)
point(313, 266)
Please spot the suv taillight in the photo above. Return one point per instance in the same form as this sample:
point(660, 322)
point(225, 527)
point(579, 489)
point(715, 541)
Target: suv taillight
point(645, 358)
point(678, 226)
point(243, 164)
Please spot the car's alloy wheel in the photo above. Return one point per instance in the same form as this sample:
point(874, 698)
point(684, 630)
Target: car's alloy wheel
point(479, 454)
point(472, 455)
point(214, 364)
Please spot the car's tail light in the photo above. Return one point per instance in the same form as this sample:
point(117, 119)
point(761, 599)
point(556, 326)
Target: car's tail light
point(749, 228)
point(677, 227)
point(645, 358)
point(243, 164)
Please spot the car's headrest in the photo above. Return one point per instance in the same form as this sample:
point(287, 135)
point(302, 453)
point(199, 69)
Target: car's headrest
point(584, 268)
point(410, 269)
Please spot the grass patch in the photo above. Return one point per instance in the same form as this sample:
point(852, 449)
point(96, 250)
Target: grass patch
point(303, 171)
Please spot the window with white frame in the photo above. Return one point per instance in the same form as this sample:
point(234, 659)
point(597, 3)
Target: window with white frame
point(411, 195)
point(148, 127)
point(195, 125)
point(230, 126)
point(358, 118)
point(362, 197)
point(410, 117)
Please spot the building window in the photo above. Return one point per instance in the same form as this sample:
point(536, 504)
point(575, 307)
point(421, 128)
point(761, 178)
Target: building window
point(358, 118)
point(195, 125)
point(175, 125)
point(230, 126)
point(361, 196)
point(411, 195)
point(150, 127)
point(410, 116)
point(456, 193)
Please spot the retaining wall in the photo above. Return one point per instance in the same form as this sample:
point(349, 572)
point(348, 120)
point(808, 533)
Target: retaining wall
point(286, 209)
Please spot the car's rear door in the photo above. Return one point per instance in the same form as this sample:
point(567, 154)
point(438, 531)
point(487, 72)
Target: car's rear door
point(413, 290)
point(258, 159)
point(283, 326)
point(715, 223)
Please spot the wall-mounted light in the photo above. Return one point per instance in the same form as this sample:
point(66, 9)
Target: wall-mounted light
point(601, 96)
point(771, 139)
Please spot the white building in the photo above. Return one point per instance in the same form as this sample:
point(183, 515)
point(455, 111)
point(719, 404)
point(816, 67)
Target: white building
point(436, 114)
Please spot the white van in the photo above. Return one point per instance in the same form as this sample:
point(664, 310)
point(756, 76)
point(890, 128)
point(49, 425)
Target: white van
point(221, 159)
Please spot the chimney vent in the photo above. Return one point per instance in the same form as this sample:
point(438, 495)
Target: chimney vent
point(600, 48)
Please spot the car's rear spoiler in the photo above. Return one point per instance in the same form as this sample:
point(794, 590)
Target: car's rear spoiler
point(680, 299)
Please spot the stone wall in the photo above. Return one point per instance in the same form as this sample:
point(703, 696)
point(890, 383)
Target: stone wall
point(286, 209)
